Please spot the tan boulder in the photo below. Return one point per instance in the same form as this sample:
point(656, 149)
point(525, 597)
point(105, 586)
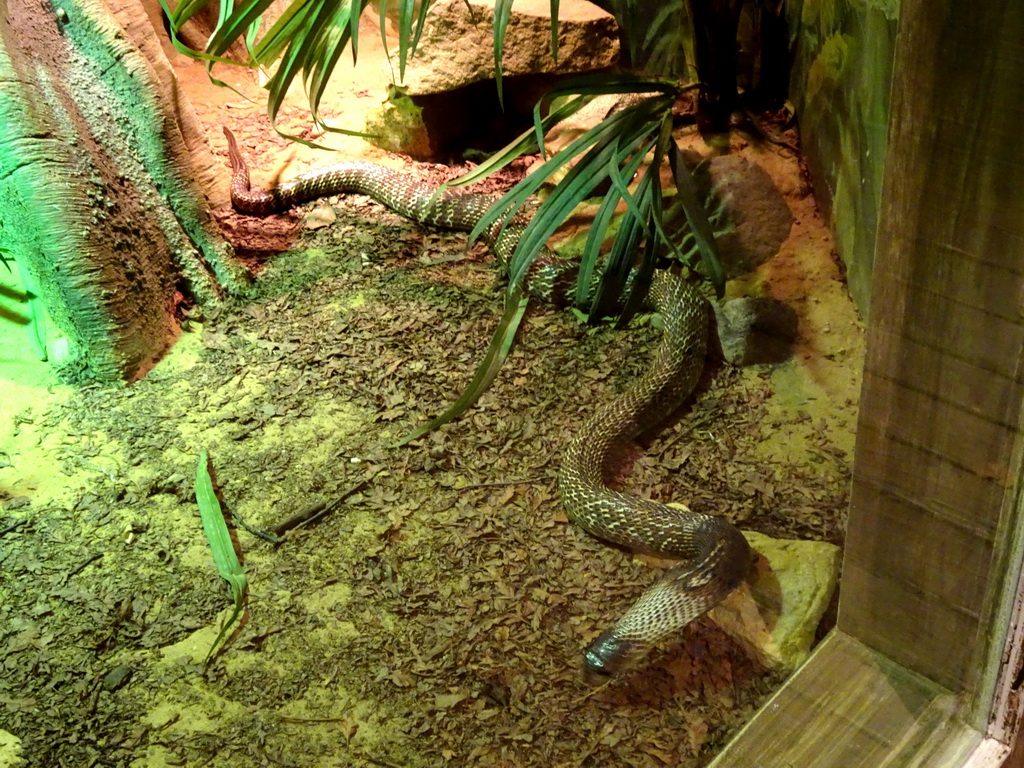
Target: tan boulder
point(10, 751)
point(774, 615)
point(457, 46)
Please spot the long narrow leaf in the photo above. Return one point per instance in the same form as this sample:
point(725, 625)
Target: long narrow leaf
point(421, 22)
point(641, 275)
point(650, 217)
point(502, 13)
point(621, 257)
point(554, 30)
point(296, 57)
point(332, 42)
point(596, 85)
point(628, 18)
point(236, 25)
point(219, 539)
point(579, 182)
point(686, 189)
point(599, 229)
point(283, 32)
point(175, 21)
point(639, 283)
point(353, 30)
point(408, 35)
point(405, 14)
point(622, 180)
point(382, 14)
point(513, 200)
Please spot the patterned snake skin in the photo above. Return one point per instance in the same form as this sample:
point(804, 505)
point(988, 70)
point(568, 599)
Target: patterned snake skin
point(715, 556)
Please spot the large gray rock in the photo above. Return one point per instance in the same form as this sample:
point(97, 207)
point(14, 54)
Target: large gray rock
point(457, 46)
point(757, 219)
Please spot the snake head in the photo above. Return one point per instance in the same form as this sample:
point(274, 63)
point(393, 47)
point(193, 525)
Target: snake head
point(608, 655)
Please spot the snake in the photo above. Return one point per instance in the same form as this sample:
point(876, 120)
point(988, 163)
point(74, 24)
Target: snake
point(714, 556)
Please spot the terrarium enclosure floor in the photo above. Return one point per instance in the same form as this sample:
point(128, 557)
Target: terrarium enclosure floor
point(436, 615)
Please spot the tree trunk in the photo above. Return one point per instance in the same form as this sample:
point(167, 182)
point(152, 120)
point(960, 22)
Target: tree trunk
point(101, 209)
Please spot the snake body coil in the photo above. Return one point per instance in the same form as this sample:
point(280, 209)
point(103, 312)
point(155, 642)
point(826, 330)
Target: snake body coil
point(714, 554)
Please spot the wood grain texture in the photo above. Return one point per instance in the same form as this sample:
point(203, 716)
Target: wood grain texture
point(936, 470)
point(850, 707)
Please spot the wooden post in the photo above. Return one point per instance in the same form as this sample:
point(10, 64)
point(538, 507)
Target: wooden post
point(936, 530)
point(936, 469)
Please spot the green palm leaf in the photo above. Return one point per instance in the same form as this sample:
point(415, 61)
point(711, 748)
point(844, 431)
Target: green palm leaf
point(222, 547)
point(612, 142)
point(502, 13)
point(510, 204)
point(307, 41)
point(408, 35)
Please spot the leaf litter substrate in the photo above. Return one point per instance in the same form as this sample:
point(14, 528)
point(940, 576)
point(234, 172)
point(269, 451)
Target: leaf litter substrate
point(437, 614)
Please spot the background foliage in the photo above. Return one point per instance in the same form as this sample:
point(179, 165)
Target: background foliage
point(623, 154)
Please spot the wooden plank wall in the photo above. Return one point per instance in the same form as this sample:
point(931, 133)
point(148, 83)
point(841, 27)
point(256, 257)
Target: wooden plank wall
point(936, 471)
point(853, 708)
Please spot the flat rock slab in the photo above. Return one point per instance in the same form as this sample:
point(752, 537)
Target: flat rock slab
point(457, 46)
point(774, 615)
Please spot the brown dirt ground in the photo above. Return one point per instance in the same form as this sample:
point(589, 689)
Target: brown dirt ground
point(436, 615)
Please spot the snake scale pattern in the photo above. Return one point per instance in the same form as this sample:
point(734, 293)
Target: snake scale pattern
point(714, 555)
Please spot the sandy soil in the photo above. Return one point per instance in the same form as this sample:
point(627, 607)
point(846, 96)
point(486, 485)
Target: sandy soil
point(435, 615)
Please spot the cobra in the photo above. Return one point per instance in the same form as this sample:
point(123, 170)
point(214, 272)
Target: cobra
point(713, 555)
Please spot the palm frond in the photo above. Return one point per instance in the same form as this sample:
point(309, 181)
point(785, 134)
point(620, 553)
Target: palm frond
point(509, 205)
point(611, 152)
point(502, 13)
point(696, 216)
point(596, 236)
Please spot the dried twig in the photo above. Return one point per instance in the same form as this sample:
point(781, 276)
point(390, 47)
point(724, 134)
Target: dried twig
point(315, 512)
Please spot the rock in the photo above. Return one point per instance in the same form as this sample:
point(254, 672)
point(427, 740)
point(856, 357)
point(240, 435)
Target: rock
point(10, 751)
point(774, 615)
point(322, 215)
point(398, 125)
point(457, 46)
point(449, 103)
point(757, 217)
point(754, 330)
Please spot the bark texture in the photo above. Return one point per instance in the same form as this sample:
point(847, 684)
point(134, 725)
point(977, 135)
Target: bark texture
point(99, 204)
